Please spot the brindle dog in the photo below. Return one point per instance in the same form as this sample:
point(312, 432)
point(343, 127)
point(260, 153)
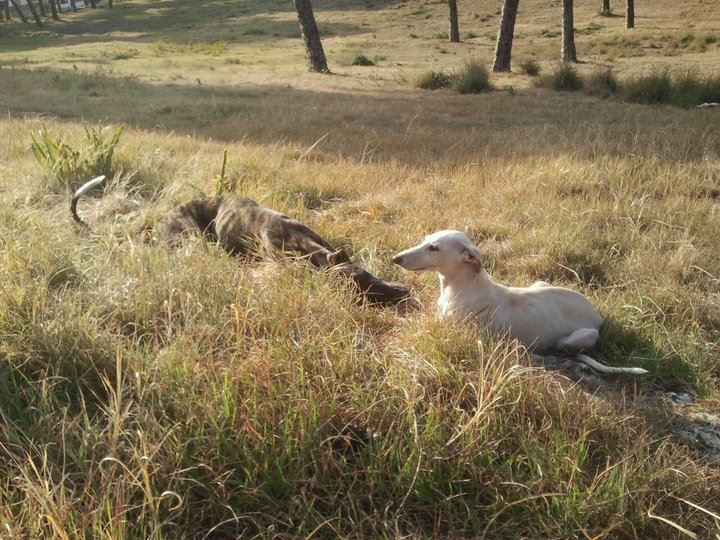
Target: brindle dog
point(238, 223)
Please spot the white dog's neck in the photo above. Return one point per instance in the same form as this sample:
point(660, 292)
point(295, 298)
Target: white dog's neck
point(466, 292)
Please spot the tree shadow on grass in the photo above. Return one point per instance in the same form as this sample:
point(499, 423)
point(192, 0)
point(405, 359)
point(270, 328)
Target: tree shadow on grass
point(173, 21)
point(400, 125)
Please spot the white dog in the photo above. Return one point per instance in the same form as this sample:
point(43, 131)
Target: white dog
point(541, 317)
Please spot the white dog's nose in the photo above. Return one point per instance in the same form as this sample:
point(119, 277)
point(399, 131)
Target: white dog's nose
point(397, 259)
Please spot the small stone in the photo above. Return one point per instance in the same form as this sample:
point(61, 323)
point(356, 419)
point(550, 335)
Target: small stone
point(681, 398)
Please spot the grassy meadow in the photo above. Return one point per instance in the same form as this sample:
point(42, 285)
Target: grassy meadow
point(150, 393)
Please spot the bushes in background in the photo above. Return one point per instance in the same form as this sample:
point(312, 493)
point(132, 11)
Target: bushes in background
point(686, 89)
point(472, 79)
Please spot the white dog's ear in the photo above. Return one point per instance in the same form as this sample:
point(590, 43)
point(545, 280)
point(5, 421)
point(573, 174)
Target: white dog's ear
point(473, 257)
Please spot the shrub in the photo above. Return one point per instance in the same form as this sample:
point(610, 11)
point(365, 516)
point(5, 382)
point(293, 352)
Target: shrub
point(432, 80)
point(442, 35)
point(361, 60)
point(685, 90)
point(653, 88)
point(473, 79)
point(563, 77)
point(70, 165)
point(601, 82)
point(688, 89)
point(530, 67)
point(470, 35)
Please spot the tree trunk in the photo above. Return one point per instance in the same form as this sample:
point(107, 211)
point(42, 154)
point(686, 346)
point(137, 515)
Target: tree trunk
point(454, 29)
point(110, 4)
point(606, 8)
point(311, 36)
point(53, 10)
point(73, 5)
point(93, 4)
point(503, 47)
point(2, 12)
point(19, 11)
point(41, 4)
point(630, 14)
point(568, 53)
point(34, 12)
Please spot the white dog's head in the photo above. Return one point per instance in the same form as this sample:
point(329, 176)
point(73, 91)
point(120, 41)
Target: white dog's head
point(445, 252)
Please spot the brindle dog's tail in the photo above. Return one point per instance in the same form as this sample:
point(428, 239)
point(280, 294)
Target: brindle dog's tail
point(87, 186)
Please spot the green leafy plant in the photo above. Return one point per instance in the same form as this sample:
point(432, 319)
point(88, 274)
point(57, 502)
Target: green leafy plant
point(222, 184)
point(71, 165)
point(362, 60)
point(432, 80)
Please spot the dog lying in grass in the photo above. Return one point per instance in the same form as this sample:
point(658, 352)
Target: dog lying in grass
point(542, 317)
point(238, 224)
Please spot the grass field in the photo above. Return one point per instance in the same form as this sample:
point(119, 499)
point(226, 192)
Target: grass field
point(154, 393)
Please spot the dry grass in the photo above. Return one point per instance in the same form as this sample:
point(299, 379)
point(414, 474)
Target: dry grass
point(150, 393)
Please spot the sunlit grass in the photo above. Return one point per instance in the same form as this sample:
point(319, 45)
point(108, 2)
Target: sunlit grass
point(146, 392)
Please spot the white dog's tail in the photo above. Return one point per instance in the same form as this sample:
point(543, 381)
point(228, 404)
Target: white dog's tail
point(87, 186)
point(602, 368)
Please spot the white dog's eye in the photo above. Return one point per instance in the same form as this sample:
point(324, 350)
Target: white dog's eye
point(433, 247)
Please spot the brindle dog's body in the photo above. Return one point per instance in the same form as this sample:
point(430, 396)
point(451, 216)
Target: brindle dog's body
point(238, 223)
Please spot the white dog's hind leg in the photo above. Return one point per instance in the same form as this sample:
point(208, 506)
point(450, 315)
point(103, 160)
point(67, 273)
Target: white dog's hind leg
point(579, 340)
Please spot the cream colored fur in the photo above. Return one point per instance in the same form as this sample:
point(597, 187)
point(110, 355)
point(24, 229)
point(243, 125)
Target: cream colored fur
point(541, 316)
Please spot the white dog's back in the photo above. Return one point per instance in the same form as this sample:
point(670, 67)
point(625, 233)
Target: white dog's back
point(542, 316)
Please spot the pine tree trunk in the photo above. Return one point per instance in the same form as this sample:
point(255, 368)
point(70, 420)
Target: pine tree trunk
point(53, 10)
point(630, 14)
point(311, 37)
point(568, 53)
point(110, 4)
point(19, 11)
point(503, 47)
point(7, 9)
point(454, 29)
point(2, 13)
point(34, 12)
point(93, 4)
point(41, 5)
point(606, 8)
point(73, 5)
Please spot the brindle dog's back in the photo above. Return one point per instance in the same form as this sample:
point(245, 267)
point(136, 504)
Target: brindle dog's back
point(236, 222)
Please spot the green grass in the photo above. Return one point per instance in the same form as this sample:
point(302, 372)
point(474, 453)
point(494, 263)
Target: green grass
point(148, 392)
